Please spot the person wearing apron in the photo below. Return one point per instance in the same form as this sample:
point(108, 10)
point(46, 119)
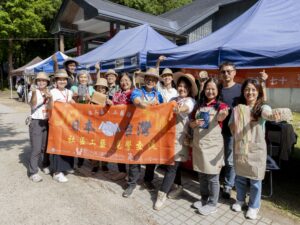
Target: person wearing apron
point(247, 124)
point(208, 146)
point(186, 88)
point(142, 98)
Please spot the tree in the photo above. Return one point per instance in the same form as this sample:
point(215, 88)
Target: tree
point(23, 19)
point(155, 7)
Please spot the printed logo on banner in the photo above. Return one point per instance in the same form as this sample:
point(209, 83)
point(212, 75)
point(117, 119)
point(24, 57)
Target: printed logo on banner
point(119, 64)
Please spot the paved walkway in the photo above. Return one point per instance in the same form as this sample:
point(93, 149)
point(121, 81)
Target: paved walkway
point(179, 211)
point(88, 199)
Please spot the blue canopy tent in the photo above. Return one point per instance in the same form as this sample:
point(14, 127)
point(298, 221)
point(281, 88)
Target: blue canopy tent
point(46, 65)
point(267, 35)
point(126, 50)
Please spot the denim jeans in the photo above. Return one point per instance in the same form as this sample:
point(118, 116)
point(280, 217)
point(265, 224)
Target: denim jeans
point(170, 177)
point(209, 187)
point(229, 169)
point(135, 171)
point(255, 191)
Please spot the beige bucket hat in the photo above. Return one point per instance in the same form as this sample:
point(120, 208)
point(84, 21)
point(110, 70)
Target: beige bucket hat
point(111, 71)
point(190, 77)
point(152, 72)
point(101, 82)
point(167, 71)
point(61, 74)
point(42, 76)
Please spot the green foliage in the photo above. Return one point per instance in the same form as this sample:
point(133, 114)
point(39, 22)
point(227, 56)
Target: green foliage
point(155, 7)
point(26, 19)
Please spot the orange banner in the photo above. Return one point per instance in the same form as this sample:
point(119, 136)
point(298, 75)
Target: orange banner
point(121, 134)
point(278, 77)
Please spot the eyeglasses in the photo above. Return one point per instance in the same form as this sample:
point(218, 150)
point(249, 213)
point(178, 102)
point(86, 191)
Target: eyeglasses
point(226, 71)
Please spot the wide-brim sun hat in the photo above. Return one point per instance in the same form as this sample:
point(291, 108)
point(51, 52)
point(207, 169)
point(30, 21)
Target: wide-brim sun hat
point(190, 77)
point(167, 71)
point(111, 71)
point(42, 76)
point(70, 60)
point(61, 74)
point(151, 72)
point(101, 82)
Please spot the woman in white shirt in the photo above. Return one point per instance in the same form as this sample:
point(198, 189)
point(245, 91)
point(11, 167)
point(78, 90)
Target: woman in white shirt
point(165, 87)
point(187, 89)
point(38, 129)
point(61, 163)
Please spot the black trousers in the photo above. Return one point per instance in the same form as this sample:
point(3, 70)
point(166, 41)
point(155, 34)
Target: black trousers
point(172, 175)
point(61, 163)
point(122, 167)
point(135, 171)
point(38, 132)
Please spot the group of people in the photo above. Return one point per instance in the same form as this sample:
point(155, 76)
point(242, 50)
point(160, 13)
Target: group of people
point(221, 120)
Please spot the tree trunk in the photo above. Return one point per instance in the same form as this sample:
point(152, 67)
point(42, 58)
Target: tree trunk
point(10, 64)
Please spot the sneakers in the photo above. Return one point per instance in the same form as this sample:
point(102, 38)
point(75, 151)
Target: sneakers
point(36, 178)
point(237, 206)
point(199, 204)
point(252, 213)
point(71, 171)
point(226, 193)
point(176, 191)
point(128, 191)
point(149, 186)
point(207, 210)
point(46, 170)
point(60, 177)
point(161, 198)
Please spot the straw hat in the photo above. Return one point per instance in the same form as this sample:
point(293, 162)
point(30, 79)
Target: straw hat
point(61, 74)
point(167, 71)
point(42, 76)
point(101, 82)
point(111, 71)
point(99, 98)
point(70, 60)
point(152, 72)
point(190, 77)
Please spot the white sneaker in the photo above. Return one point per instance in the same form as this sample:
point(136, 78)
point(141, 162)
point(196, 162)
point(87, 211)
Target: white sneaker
point(46, 170)
point(161, 198)
point(60, 177)
point(199, 204)
point(177, 190)
point(237, 206)
point(36, 178)
point(252, 213)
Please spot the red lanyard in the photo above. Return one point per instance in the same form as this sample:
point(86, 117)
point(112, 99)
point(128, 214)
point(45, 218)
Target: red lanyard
point(65, 96)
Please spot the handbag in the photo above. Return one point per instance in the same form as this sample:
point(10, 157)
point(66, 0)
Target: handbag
point(28, 118)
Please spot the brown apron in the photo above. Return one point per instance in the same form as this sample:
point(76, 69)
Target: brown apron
point(208, 146)
point(251, 164)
